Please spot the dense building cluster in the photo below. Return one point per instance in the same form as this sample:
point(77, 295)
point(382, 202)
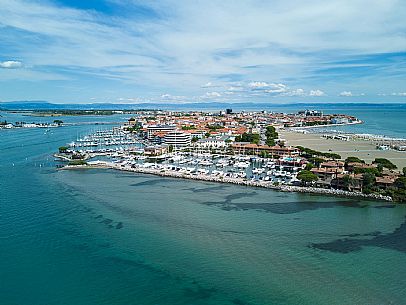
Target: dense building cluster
point(224, 127)
point(244, 147)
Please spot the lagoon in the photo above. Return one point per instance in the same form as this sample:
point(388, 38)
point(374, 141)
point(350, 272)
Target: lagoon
point(107, 237)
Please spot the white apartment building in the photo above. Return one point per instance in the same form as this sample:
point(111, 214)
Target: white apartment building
point(177, 139)
point(152, 129)
point(212, 142)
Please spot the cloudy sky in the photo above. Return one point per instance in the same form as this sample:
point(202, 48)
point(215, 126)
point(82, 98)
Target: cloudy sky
point(173, 51)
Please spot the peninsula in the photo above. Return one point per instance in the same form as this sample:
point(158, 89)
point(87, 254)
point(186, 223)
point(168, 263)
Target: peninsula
point(260, 149)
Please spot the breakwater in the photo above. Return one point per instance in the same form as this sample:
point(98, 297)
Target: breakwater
point(238, 181)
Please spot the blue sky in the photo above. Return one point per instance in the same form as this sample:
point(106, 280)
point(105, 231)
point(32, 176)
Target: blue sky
point(129, 51)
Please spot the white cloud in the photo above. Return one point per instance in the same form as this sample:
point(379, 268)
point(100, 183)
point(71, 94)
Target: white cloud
point(212, 94)
point(294, 92)
point(399, 94)
point(11, 64)
point(258, 85)
point(277, 88)
point(351, 94)
point(316, 93)
point(208, 85)
point(346, 93)
point(193, 42)
point(130, 100)
point(234, 88)
point(172, 98)
point(263, 88)
point(268, 87)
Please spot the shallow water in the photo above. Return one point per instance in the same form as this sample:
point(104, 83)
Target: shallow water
point(107, 237)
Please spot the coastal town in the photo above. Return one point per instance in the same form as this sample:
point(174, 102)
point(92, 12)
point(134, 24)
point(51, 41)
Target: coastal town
point(244, 148)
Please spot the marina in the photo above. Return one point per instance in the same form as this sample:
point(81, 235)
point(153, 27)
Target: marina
point(221, 177)
point(127, 149)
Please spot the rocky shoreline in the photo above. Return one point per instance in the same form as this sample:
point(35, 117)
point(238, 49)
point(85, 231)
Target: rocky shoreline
point(333, 192)
point(238, 181)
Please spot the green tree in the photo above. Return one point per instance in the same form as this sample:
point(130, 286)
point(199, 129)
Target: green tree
point(248, 137)
point(255, 138)
point(263, 154)
point(373, 171)
point(404, 171)
point(77, 156)
point(308, 153)
point(368, 181)
point(399, 194)
point(270, 142)
point(170, 148)
point(309, 166)
point(214, 127)
point(385, 163)
point(333, 156)
point(63, 149)
point(316, 160)
point(185, 127)
point(348, 182)
point(354, 160)
point(307, 176)
point(400, 183)
point(77, 162)
point(271, 135)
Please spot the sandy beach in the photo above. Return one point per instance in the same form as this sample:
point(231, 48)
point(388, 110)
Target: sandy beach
point(364, 149)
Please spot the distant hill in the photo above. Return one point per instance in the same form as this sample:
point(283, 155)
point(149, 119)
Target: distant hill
point(44, 105)
point(23, 105)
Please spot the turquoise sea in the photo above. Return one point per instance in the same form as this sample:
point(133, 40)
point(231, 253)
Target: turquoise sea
point(387, 120)
point(104, 237)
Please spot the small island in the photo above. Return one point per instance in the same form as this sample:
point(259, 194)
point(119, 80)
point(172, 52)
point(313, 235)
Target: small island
point(74, 112)
point(16, 125)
